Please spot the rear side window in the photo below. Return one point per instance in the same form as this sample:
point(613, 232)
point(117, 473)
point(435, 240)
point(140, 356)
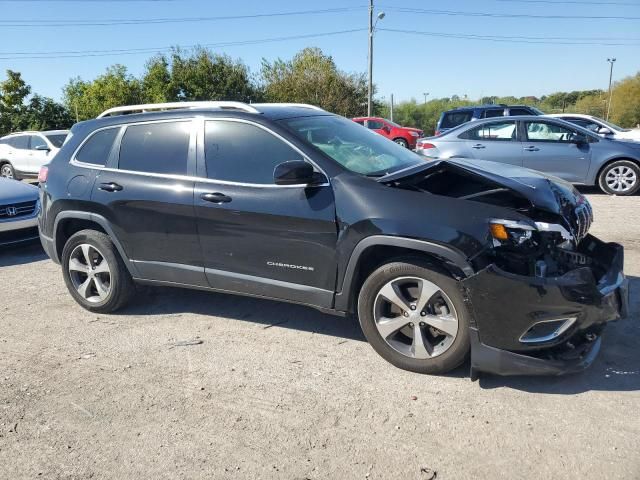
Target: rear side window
point(495, 131)
point(453, 119)
point(156, 148)
point(36, 142)
point(359, 122)
point(21, 142)
point(375, 124)
point(493, 112)
point(520, 111)
point(241, 152)
point(96, 150)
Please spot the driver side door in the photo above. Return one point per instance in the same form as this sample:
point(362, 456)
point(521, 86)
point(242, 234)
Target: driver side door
point(39, 153)
point(379, 127)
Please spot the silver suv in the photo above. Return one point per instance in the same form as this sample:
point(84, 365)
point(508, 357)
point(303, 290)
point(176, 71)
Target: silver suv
point(22, 154)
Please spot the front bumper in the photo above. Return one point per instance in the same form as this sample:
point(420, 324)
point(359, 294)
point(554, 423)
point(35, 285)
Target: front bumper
point(18, 230)
point(504, 306)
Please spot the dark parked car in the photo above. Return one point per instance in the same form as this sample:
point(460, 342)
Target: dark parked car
point(453, 118)
point(292, 203)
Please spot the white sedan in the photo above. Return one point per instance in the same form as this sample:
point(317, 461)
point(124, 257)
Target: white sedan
point(600, 126)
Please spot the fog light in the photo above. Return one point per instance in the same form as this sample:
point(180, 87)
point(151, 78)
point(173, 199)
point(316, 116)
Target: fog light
point(547, 330)
point(499, 231)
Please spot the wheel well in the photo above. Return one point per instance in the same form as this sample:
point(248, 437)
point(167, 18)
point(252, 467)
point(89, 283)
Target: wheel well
point(377, 255)
point(70, 226)
point(609, 162)
point(400, 138)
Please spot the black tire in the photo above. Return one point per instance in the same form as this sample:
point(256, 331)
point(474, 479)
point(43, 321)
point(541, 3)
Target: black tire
point(623, 166)
point(446, 361)
point(121, 285)
point(402, 142)
point(7, 170)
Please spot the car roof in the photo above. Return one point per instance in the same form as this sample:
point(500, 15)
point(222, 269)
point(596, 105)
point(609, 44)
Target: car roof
point(468, 125)
point(487, 106)
point(576, 115)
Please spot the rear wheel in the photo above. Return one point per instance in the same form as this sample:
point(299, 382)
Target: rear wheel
point(414, 317)
point(402, 142)
point(621, 177)
point(94, 273)
point(7, 171)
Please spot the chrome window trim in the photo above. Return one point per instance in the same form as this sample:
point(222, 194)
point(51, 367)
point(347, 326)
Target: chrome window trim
point(196, 119)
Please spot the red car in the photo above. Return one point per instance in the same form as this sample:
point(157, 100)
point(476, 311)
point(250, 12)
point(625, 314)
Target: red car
point(404, 136)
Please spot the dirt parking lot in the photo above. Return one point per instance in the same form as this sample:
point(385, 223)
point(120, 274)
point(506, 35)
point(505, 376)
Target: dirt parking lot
point(188, 384)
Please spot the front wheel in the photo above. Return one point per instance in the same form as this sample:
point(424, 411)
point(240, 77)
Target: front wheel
point(414, 317)
point(621, 177)
point(7, 171)
point(402, 142)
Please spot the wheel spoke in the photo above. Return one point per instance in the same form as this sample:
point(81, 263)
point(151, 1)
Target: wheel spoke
point(391, 293)
point(389, 326)
point(85, 287)
point(77, 266)
point(420, 346)
point(86, 252)
point(445, 323)
point(101, 288)
point(102, 267)
point(427, 291)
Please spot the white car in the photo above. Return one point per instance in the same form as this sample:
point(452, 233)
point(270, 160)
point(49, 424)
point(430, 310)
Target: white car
point(600, 126)
point(22, 154)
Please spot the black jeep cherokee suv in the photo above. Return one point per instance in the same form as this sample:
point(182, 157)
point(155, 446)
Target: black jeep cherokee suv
point(290, 202)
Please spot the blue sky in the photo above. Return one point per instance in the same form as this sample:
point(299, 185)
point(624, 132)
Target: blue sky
point(405, 64)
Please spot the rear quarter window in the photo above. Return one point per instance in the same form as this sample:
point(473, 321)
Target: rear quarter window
point(453, 119)
point(97, 148)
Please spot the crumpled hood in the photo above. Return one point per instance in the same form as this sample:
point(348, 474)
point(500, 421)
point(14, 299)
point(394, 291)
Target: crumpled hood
point(543, 191)
point(13, 191)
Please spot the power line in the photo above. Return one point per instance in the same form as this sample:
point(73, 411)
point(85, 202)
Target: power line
point(574, 2)
point(137, 51)
point(524, 39)
point(143, 21)
point(503, 15)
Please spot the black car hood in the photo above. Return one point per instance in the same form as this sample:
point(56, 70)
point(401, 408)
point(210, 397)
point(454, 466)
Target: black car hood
point(544, 192)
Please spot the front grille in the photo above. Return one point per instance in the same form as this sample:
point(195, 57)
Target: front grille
point(17, 210)
point(583, 217)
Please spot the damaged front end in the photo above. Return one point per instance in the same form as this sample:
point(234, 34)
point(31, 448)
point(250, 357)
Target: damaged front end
point(544, 288)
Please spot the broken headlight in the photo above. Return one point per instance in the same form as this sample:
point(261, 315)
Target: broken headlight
point(509, 232)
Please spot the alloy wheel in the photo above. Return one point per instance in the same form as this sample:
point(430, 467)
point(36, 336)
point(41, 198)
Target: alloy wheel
point(415, 317)
point(6, 171)
point(621, 178)
point(90, 273)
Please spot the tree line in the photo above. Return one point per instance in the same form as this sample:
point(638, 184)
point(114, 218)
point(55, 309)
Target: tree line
point(309, 77)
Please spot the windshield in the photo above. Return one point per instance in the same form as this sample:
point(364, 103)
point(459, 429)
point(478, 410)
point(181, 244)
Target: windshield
point(354, 147)
point(537, 111)
point(56, 139)
point(613, 126)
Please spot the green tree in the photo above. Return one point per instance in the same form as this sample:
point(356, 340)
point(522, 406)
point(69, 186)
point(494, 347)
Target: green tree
point(113, 88)
point(156, 81)
point(313, 77)
point(591, 105)
point(13, 92)
point(44, 113)
point(625, 102)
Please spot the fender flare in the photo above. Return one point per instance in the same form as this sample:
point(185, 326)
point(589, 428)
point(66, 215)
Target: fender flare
point(104, 223)
point(450, 255)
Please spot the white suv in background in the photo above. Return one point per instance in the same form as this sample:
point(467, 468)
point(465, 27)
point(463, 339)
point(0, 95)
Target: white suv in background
point(22, 154)
point(600, 126)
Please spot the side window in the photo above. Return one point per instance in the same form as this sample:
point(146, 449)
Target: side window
point(453, 119)
point(241, 152)
point(156, 148)
point(493, 112)
point(359, 122)
point(499, 131)
point(21, 142)
point(375, 124)
point(36, 141)
point(594, 127)
point(548, 132)
point(519, 111)
point(96, 150)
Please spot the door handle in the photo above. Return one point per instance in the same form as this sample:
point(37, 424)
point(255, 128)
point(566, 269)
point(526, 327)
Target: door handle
point(478, 146)
point(531, 149)
point(110, 187)
point(215, 197)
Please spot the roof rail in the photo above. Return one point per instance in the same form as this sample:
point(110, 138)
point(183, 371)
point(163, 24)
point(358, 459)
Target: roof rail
point(176, 105)
point(301, 105)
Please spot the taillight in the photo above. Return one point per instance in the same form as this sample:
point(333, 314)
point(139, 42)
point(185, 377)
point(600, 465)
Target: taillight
point(426, 146)
point(43, 174)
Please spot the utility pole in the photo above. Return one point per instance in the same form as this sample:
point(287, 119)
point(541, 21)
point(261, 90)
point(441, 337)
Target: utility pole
point(370, 91)
point(426, 94)
point(611, 61)
point(391, 109)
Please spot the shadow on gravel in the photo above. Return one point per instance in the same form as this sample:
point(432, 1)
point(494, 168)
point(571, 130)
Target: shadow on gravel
point(21, 254)
point(616, 369)
point(269, 313)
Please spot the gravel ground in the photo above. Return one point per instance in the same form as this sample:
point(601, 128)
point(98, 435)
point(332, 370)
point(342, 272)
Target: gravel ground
point(269, 390)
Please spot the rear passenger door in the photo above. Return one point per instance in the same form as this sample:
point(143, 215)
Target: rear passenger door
point(258, 237)
point(496, 141)
point(147, 195)
point(37, 156)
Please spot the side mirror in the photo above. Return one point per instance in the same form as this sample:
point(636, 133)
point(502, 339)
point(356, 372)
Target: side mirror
point(579, 139)
point(42, 148)
point(296, 172)
point(604, 131)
